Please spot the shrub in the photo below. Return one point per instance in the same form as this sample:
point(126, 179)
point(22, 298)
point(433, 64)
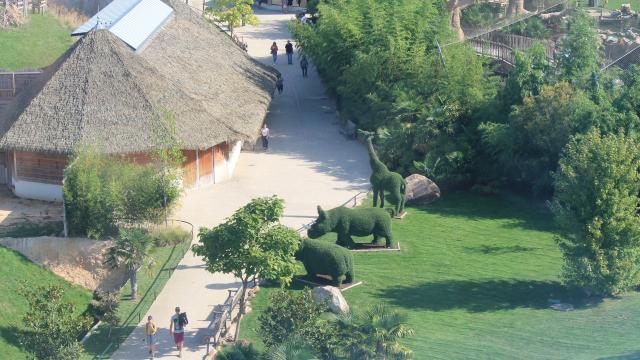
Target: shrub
point(242, 350)
point(596, 202)
point(52, 329)
point(320, 257)
point(294, 313)
point(169, 236)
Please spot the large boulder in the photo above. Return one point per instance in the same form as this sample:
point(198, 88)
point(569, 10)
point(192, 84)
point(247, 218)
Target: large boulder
point(421, 189)
point(332, 296)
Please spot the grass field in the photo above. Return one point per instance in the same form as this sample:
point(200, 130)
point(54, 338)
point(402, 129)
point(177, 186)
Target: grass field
point(14, 269)
point(475, 275)
point(34, 45)
point(150, 283)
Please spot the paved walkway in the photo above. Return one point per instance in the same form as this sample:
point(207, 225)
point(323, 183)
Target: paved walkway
point(309, 163)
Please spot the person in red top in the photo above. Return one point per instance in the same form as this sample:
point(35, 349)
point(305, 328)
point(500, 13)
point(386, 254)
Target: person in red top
point(274, 52)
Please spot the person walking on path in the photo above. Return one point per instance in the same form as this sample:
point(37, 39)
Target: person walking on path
point(280, 84)
point(274, 52)
point(176, 329)
point(150, 335)
point(304, 65)
point(265, 137)
point(289, 49)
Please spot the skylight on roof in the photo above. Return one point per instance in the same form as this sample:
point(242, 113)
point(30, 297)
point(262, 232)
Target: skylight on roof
point(133, 21)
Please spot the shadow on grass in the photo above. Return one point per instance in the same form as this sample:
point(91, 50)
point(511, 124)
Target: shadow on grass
point(498, 250)
point(483, 295)
point(11, 334)
point(517, 212)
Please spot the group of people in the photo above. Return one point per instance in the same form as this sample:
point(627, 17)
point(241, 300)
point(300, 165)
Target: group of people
point(176, 330)
point(304, 63)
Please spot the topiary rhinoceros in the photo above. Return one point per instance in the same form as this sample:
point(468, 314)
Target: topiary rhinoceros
point(353, 222)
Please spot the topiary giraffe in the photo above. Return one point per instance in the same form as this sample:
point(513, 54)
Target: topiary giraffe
point(384, 180)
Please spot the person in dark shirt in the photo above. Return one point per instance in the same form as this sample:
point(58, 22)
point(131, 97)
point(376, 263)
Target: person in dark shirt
point(304, 65)
point(289, 49)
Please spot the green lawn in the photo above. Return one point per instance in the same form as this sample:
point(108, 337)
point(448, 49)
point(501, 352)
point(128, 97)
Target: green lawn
point(15, 268)
point(36, 44)
point(150, 283)
point(474, 275)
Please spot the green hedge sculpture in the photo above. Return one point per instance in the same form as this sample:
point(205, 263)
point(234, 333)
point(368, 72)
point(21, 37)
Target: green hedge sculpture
point(384, 180)
point(353, 222)
point(324, 258)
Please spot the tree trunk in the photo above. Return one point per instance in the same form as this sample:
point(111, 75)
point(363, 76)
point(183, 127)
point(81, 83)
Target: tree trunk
point(243, 293)
point(455, 22)
point(133, 278)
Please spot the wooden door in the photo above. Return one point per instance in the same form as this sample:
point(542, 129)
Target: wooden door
point(189, 168)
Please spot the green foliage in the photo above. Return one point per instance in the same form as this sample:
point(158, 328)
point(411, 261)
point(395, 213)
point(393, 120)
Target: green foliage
point(104, 307)
point(528, 146)
point(579, 55)
point(323, 258)
point(131, 251)
point(169, 236)
point(233, 12)
point(242, 350)
point(596, 202)
point(482, 15)
point(375, 334)
point(251, 242)
point(292, 349)
point(28, 228)
point(531, 27)
point(101, 191)
point(351, 222)
point(52, 327)
point(294, 314)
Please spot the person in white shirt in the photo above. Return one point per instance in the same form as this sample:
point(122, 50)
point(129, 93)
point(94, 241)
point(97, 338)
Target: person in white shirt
point(265, 136)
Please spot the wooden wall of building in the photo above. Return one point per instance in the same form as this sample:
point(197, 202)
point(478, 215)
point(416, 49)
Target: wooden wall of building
point(42, 168)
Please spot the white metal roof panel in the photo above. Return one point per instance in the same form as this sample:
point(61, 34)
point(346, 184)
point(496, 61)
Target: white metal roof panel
point(142, 21)
point(107, 16)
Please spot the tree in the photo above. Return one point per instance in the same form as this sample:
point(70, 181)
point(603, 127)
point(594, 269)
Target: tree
point(295, 314)
point(579, 55)
point(233, 12)
point(52, 327)
point(132, 251)
point(596, 203)
point(251, 243)
point(374, 334)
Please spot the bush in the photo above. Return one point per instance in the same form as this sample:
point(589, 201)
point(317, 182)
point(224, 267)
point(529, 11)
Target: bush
point(103, 191)
point(242, 350)
point(169, 236)
point(596, 202)
point(295, 314)
point(320, 257)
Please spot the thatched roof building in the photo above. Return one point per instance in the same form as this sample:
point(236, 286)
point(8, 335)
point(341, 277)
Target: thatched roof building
point(100, 90)
point(104, 91)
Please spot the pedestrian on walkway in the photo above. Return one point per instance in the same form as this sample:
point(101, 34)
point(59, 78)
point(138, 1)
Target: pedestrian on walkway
point(304, 65)
point(176, 329)
point(298, 1)
point(274, 52)
point(265, 137)
point(150, 335)
point(289, 50)
point(285, 9)
point(280, 84)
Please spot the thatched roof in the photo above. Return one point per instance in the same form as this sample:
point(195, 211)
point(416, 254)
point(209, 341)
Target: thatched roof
point(101, 91)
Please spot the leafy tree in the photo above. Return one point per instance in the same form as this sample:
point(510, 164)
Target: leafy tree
point(596, 202)
point(52, 328)
point(295, 314)
point(531, 27)
point(579, 55)
point(375, 334)
point(251, 243)
point(131, 251)
point(233, 12)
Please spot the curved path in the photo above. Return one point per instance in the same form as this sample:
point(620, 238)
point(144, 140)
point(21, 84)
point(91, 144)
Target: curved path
point(309, 163)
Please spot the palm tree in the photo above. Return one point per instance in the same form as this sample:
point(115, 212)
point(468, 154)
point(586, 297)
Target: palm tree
point(131, 250)
point(375, 334)
point(292, 349)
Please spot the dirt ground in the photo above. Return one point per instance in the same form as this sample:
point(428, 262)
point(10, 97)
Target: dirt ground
point(14, 209)
point(77, 260)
